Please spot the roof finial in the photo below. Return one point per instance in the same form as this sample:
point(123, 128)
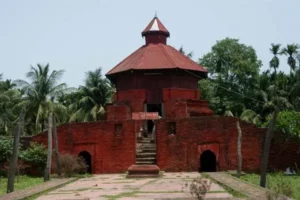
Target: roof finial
point(155, 16)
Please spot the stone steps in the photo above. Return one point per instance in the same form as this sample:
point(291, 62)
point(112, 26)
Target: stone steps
point(145, 162)
point(145, 152)
point(146, 145)
point(143, 171)
point(144, 155)
point(146, 158)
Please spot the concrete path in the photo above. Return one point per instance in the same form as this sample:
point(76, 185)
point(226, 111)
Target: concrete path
point(249, 190)
point(116, 186)
point(22, 194)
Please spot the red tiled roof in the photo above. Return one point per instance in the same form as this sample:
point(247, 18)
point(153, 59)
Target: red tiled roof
point(156, 56)
point(155, 26)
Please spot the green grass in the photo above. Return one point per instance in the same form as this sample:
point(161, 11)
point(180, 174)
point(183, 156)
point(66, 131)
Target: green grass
point(35, 196)
point(289, 185)
point(21, 182)
point(121, 195)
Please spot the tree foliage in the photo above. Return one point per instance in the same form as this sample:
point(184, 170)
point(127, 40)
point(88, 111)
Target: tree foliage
point(6, 148)
point(91, 98)
point(234, 72)
point(235, 87)
point(36, 155)
point(288, 122)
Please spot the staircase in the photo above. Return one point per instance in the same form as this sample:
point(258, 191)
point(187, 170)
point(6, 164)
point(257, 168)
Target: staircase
point(145, 151)
point(145, 166)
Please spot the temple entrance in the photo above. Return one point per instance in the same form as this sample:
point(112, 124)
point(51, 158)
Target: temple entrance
point(88, 160)
point(208, 162)
point(153, 108)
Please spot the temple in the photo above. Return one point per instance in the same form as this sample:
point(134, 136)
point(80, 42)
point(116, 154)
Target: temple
point(158, 119)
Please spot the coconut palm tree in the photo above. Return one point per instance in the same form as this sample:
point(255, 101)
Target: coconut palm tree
point(92, 98)
point(8, 116)
point(40, 95)
point(291, 50)
point(181, 50)
point(274, 63)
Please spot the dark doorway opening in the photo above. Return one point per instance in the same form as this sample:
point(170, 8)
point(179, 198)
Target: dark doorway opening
point(88, 160)
point(208, 162)
point(153, 108)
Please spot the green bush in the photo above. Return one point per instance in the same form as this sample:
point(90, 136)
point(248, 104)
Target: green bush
point(35, 155)
point(6, 149)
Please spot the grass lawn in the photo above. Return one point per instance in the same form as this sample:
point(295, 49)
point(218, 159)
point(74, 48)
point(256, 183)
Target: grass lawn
point(278, 180)
point(20, 183)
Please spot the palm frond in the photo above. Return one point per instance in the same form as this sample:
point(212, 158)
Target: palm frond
point(228, 113)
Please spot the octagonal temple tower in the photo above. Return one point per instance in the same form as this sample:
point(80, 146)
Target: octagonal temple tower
point(157, 77)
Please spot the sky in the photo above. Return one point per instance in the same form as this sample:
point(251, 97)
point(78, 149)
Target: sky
point(82, 35)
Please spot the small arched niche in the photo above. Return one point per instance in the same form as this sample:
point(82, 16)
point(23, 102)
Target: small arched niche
point(208, 162)
point(88, 160)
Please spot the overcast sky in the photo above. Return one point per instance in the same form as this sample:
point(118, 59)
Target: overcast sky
point(81, 35)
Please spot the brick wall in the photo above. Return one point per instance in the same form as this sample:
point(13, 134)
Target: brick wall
point(181, 152)
point(174, 93)
point(284, 153)
point(175, 109)
point(111, 152)
point(117, 112)
point(131, 95)
point(182, 108)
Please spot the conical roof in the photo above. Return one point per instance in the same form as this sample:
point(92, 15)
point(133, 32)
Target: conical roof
point(156, 54)
point(155, 26)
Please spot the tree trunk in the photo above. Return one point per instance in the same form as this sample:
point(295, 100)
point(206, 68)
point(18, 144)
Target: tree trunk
point(14, 159)
point(239, 149)
point(49, 156)
point(266, 151)
point(58, 169)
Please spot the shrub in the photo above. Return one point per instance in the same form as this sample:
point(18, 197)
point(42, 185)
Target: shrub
point(35, 155)
point(21, 168)
point(199, 187)
point(6, 149)
point(281, 186)
point(71, 165)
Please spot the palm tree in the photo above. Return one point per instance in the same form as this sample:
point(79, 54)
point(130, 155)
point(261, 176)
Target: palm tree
point(8, 116)
point(92, 98)
point(8, 84)
point(40, 95)
point(274, 63)
point(291, 50)
point(181, 50)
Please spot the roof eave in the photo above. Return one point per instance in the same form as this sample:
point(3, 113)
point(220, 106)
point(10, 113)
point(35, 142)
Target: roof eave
point(145, 33)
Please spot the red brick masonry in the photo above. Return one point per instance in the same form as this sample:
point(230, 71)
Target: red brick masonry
point(113, 151)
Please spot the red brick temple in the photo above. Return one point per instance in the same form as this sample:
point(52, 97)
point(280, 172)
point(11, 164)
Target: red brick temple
point(158, 85)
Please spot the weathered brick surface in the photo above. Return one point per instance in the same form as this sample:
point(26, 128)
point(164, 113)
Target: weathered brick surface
point(181, 108)
point(118, 112)
point(181, 152)
point(174, 93)
point(131, 95)
point(111, 153)
point(285, 154)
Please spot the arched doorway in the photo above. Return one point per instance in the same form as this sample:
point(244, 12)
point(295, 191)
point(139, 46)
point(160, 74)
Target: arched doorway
point(88, 160)
point(208, 162)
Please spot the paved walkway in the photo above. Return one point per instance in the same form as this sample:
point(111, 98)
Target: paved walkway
point(21, 194)
point(249, 190)
point(116, 186)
